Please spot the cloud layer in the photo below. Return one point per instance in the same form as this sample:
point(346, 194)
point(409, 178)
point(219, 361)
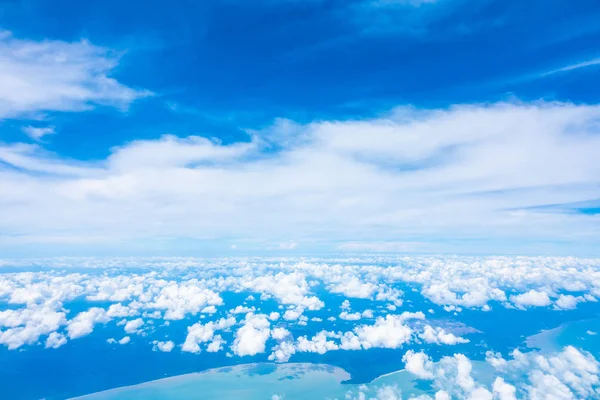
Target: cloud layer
point(507, 175)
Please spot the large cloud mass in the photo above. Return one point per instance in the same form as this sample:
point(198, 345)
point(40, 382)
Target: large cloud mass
point(501, 172)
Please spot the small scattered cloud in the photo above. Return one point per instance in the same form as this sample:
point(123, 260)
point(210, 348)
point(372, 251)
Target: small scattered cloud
point(36, 133)
point(54, 75)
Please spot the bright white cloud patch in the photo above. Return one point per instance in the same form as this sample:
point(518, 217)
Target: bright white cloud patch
point(485, 172)
point(568, 374)
point(157, 300)
point(251, 338)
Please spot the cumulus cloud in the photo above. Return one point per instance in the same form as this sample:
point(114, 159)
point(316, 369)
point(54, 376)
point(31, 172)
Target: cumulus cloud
point(418, 364)
point(134, 325)
point(567, 374)
point(164, 346)
point(532, 298)
point(25, 326)
point(182, 288)
point(83, 323)
point(199, 333)
point(251, 338)
point(55, 340)
point(440, 336)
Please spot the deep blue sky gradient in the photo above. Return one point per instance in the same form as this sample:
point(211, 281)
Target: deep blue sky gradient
point(218, 68)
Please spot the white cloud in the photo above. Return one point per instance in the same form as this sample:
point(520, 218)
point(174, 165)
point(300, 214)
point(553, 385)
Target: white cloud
point(531, 298)
point(83, 323)
point(389, 332)
point(503, 390)
point(350, 316)
point(164, 346)
point(568, 374)
point(242, 310)
point(418, 364)
point(55, 340)
point(353, 287)
point(473, 171)
point(317, 344)
point(216, 344)
point(251, 338)
point(199, 333)
point(274, 316)
point(53, 75)
point(178, 288)
point(292, 315)
point(209, 310)
point(134, 325)
point(440, 336)
point(280, 333)
point(120, 311)
point(567, 301)
point(25, 326)
point(125, 340)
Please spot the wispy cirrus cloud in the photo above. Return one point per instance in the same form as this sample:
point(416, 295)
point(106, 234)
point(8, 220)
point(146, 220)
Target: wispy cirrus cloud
point(572, 67)
point(53, 75)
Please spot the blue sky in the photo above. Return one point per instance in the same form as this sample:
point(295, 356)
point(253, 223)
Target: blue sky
point(299, 126)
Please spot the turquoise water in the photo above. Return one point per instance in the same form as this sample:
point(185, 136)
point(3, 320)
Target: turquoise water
point(249, 381)
point(320, 381)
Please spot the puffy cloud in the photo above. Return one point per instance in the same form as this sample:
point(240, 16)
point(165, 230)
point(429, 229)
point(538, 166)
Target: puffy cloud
point(317, 344)
point(216, 344)
point(440, 336)
point(199, 333)
point(25, 326)
point(282, 351)
point(176, 288)
point(531, 298)
point(354, 288)
point(567, 301)
point(53, 75)
point(292, 315)
point(125, 340)
point(120, 311)
point(503, 390)
point(134, 325)
point(251, 338)
point(209, 310)
point(163, 346)
point(418, 364)
point(179, 299)
point(242, 310)
point(280, 333)
point(350, 316)
point(55, 340)
point(274, 316)
point(567, 374)
point(83, 323)
point(345, 305)
point(389, 332)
